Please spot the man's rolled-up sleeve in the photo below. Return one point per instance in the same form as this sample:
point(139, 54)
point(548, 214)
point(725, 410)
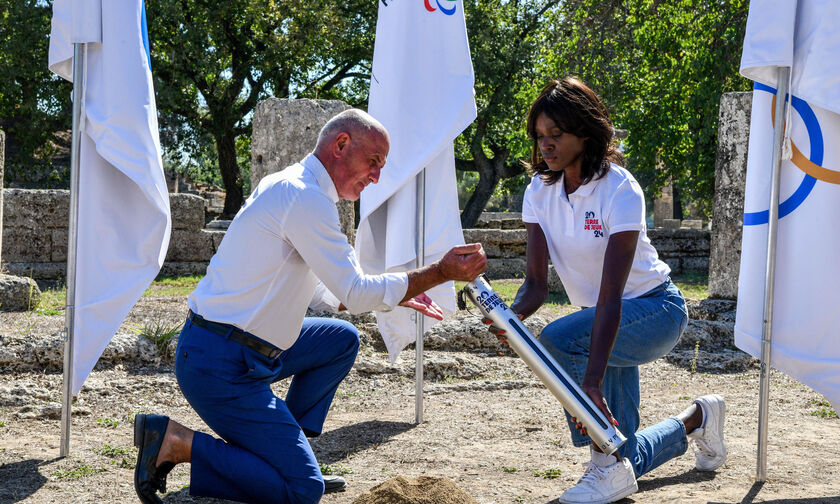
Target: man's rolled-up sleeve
point(312, 227)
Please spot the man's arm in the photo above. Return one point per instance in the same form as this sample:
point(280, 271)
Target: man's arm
point(464, 263)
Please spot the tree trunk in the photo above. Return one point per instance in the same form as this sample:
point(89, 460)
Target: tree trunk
point(231, 177)
point(487, 180)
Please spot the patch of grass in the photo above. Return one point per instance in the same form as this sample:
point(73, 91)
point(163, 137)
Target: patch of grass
point(121, 457)
point(509, 469)
point(548, 473)
point(824, 413)
point(52, 301)
point(335, 470)
point(108, 422)
point(160, 333)
point(112, 451)
point(78, 473)
point(2, 423)
point(172, 286)
point(507, 289)
point(694, 285)
point(825, 410)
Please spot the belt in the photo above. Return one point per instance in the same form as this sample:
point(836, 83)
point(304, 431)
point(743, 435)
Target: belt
point(236, 334)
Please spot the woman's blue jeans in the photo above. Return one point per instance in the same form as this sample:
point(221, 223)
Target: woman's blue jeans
point(650, 326)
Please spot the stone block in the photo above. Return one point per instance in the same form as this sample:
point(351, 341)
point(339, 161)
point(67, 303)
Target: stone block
point(183, 268)
point(36, 208)
point(216, 235)
point(18, 293)
point(500, 220)
point(675, 263)
point(187, 211)
point(680, 242)
point(38, 270)
point(700, 264)
point(730, 179)
point(692, 224)
point(499, 243)
point(671, 223)
point(59, 239)
point(663, 206)
point(284, 131)
point(505, 268)
point(27, 244)
point(190, 246)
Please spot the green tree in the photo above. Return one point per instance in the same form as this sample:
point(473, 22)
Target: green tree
point(34, 103)
point(213, 62)
point(662, 68)
point(507, 40)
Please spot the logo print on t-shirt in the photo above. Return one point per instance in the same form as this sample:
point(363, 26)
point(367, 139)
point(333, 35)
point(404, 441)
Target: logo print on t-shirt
point(591, 223)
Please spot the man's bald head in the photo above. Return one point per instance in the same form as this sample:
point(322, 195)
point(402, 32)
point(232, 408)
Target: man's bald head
point(353, 122)
point(353, 146)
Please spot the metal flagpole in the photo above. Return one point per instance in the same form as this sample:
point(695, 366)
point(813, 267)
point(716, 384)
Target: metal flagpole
point(770, 274)
point(418, 317)
point(79, 54)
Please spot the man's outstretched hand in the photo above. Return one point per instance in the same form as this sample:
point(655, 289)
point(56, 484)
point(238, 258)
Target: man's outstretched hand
point(424, 305)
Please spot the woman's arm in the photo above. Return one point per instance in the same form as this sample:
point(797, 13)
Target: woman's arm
point(618, 260)
point(531, 295)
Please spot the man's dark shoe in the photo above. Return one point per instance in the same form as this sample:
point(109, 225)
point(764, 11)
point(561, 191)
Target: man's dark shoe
point(334, 484)
point(148, 437)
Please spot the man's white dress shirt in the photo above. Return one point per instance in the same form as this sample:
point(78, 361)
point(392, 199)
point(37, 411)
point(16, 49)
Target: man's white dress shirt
point(284, 240)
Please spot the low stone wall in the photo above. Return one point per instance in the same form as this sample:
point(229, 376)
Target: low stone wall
point(35, 234)
point(682, 249)
point(35, 239)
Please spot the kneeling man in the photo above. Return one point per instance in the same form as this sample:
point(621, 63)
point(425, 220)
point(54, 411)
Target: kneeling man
point(246, 329)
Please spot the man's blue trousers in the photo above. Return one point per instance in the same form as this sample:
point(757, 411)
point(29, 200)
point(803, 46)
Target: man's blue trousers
point(263, 455)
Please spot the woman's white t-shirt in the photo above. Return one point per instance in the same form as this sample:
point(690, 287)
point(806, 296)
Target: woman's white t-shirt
point(577, 227)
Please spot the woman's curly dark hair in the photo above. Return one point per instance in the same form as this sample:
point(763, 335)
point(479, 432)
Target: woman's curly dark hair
point(575, 109)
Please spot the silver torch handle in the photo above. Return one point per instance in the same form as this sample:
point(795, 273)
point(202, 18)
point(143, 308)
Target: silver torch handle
point(570, 395)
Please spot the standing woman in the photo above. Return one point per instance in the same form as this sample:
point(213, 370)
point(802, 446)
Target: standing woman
point(586, 213)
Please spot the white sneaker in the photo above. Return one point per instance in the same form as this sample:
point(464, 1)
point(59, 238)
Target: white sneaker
point(710, 446)
point(602, 484)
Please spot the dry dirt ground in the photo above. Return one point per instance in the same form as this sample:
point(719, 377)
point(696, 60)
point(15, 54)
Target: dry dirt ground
point(496, 432)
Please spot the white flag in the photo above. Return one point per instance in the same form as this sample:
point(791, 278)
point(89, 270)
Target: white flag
point(806, 319)
point(123, 221)
point(421, 89)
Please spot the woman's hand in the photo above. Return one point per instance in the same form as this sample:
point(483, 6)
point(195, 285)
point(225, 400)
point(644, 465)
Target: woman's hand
point(594, 393)
point(498, 331)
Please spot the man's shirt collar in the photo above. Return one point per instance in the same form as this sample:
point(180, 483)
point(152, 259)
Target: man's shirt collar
point(314, 165)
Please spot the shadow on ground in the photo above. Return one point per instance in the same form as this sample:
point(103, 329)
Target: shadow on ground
point(335, 445)
point(756, 488)
point(21, 479)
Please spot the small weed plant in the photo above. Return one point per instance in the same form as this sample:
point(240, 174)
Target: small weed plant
point(160, 333)
point(694, 359)
point(108, 422)
point(78, 473)
point(334, 470)
point(548, 473)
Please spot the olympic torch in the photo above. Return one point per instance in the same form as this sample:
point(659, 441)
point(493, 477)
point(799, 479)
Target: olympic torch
point(570, 395)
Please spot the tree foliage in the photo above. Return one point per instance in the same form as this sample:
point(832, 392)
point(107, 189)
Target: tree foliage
point(213, 62)
point(507, 40)
point(662, 68)
point(34, 104)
